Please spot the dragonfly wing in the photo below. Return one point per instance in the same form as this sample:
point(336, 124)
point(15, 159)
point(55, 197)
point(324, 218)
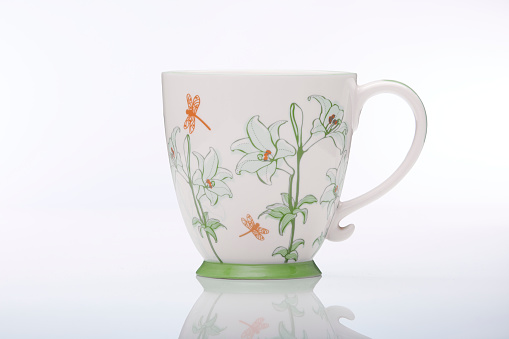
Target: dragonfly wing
point(244, 221)
point(187, 122)
point(189, 101)
point(196, 103)
point(250, 219)
point(192, 125)
point(258, 235)
point(263, 230)
point(258, 322)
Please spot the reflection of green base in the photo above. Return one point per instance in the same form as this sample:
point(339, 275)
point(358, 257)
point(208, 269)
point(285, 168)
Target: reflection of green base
point(258, 271)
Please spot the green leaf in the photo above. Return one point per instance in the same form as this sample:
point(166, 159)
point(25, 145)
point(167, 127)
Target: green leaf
point(211, 232)
point(308, 199)
point(296, 244)
point(286, 198)
point(285, 221)
point(214, 224)
point(279, 208)
point(296, 117)
point(282, 251)
point(277, 211)
point(281, 307)
point(292, 256)
point(196, 221)
point(211, 221)
point(206, 216)
point(284, 333)
point(303, 211)
point(211, 321)
point(273, 214)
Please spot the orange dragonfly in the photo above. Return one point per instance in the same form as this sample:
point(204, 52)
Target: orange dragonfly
point(192, 108)
point(254, 228)
point(253, 329)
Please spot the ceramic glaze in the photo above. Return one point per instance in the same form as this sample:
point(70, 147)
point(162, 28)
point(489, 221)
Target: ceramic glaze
point(258, 162)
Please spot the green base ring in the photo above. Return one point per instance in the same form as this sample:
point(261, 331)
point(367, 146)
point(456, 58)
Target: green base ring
point(258, 271)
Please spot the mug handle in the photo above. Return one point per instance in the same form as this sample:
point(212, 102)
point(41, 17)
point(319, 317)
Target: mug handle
point(365, 92)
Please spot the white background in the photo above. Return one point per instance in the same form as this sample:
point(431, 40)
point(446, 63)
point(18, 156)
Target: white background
point(91, 240)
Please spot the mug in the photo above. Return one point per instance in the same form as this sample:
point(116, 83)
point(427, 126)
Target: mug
point(258, 162)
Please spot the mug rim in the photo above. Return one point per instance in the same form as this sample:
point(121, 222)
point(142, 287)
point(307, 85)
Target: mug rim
point(253, 72)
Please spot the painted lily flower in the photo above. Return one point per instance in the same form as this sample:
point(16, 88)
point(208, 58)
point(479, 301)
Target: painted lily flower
point(175, 162)
point(332, 192)
point(263, 149)
point(210, 177)
point(330, 123)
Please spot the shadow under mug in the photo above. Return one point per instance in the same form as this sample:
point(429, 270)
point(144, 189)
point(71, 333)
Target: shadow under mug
point(258, 161)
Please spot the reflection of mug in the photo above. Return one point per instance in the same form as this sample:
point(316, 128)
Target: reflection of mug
point(264, 309)
point(258, 162)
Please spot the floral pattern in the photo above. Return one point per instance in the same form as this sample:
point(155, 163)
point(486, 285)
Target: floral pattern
point(265, 153)
point(210, 177)
point(208, 180)
point(332, 192)
point(263, 149)
point(175, 161)
point(330, 124)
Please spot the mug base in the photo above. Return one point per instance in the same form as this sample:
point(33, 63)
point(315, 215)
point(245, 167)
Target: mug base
point(258, 271)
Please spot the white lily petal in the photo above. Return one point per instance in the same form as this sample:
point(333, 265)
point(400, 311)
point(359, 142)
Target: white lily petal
point(211, 196)
point(274, 130)
point(339, 139)
point(198, 178)
point(341, 172)
point(336, 111)
point(250, 163)
point(330, 209)
point(210, 164)
point(331, 175)
point(200, 159)
point(328, 194)
point(343, 128)
point(325, 104)
point(244, 145)
point(317, 127)
point(260, 135)
point(187, 149)
point(265, 174)
point(201, 192)
point(223, 173)
point(220, 188)
point(284, 149)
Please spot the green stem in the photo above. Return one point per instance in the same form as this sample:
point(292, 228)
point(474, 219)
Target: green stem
point(210, 242)
point(202, 219)
point(292, 321)
point(300, 153)
point(197, 203)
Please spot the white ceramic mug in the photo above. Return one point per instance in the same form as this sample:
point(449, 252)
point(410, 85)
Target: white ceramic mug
point(258, 161)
